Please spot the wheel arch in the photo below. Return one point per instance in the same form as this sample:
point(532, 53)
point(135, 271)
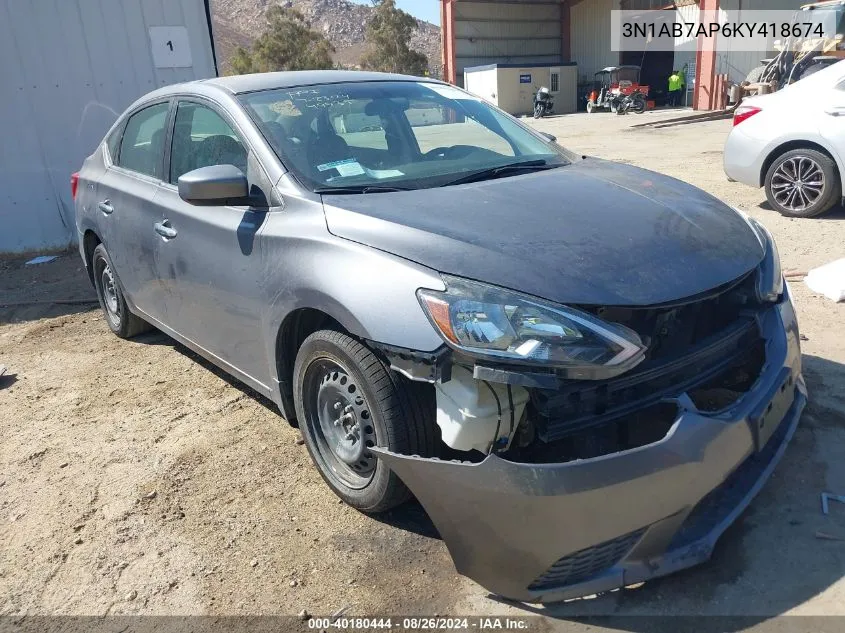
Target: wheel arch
point(788, 146)
point(90, 241)
point(296, 326)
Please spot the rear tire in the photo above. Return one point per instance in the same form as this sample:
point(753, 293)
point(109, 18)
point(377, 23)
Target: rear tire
point(110, 295)
point(803, 183)
point(346, 401)
point(639, 105)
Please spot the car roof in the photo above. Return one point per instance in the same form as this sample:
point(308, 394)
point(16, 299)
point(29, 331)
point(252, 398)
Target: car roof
point(239, 84)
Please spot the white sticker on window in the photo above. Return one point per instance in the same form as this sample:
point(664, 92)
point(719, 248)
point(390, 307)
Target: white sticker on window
point(346, 167)
point(384, 173)
point(450, 92)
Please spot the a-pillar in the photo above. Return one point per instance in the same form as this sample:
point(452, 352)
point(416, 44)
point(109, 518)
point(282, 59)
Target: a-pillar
point(704, 94)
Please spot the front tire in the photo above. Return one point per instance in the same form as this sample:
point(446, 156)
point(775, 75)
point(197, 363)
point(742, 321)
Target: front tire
point(110, 295)
point(538, 111)
point(348, 401)
point(803, 183)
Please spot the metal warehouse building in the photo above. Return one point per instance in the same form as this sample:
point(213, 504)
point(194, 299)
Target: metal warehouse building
point(68, 68)
point(526, 33)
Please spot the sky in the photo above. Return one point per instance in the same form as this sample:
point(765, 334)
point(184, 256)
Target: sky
point(428, 10)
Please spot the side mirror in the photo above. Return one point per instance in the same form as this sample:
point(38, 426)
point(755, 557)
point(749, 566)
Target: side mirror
point(551, 137)
point(217, 185)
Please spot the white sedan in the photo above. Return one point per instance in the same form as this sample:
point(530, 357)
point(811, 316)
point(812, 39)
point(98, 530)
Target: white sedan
point(792, 142)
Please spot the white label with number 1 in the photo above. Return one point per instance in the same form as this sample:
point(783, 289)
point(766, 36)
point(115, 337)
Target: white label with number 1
point(171, 47)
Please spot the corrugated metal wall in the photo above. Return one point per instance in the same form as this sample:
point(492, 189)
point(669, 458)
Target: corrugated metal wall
point(590, 32)
point(506, 33)
point(68, 68)
point(737, 64)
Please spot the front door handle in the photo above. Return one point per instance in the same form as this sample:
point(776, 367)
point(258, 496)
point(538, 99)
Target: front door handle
point(836, 111)
point(105, 207)
point(164, 229)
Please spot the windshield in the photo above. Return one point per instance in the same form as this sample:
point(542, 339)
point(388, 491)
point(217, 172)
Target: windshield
point(392, 135)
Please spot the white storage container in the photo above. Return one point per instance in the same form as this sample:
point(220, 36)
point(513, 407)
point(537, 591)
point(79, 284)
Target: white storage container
point(468, 411)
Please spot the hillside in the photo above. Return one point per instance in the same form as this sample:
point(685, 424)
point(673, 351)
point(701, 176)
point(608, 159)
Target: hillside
point(238, 22)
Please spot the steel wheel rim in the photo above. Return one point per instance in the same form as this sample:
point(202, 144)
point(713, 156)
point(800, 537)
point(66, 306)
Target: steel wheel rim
point(108, 285)
point(798, 183)
point(340, 423)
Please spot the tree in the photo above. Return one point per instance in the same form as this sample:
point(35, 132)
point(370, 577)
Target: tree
point(388, 38)
point(288, 43)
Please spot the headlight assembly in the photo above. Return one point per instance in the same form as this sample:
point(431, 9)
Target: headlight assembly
point(769, 286)
point(495, 323)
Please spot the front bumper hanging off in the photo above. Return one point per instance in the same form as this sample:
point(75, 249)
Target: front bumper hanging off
point(548, 532)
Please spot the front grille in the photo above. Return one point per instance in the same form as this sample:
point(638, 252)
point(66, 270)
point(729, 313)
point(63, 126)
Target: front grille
point(689, 343)
point(586, 563)
point(579, 405)
point(668, 329)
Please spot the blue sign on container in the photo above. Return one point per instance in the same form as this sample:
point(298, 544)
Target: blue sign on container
point(525, 79)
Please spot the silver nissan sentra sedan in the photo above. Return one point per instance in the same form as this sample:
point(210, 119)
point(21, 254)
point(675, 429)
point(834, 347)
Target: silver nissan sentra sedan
point(583, 370)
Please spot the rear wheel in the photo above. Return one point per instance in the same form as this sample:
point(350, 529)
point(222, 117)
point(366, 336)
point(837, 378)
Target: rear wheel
point(348, 401)
point(638, 105)
point(803, 183)
point(110, 294)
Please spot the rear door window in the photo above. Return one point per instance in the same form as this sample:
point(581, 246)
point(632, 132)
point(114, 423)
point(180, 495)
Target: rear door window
point(143, 141)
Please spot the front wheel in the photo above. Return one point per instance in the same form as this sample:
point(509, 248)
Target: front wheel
point(591, 106)
point(803, 183)
point(347, 401)
point(538, 111)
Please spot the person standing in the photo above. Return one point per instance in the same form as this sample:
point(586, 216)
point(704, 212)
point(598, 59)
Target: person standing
point(676, 88)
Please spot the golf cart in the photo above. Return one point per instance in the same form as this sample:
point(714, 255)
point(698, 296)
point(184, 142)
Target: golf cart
point(613, 85)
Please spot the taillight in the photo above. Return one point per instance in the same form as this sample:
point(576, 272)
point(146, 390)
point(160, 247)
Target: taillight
point(74, 184)
point(743, 113)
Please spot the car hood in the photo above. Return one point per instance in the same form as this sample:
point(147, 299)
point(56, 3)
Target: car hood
point(594, 232)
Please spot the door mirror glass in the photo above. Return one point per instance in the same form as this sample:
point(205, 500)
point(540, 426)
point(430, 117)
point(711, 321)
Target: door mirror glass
point(218, 185)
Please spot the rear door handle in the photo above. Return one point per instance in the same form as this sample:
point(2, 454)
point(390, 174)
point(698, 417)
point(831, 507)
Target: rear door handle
point(164, 229)
point(836, 111)
point(105, 207)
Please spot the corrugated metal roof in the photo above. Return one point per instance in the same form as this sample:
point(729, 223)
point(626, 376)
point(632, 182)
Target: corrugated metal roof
point(68, 68)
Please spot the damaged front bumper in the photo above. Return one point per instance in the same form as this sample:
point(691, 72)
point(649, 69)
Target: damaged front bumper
point(548, 532)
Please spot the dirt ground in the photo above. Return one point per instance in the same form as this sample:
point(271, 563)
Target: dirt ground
point(138, 479)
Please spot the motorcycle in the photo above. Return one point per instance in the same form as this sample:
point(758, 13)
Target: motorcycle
point(542, 103)
point(634, 102)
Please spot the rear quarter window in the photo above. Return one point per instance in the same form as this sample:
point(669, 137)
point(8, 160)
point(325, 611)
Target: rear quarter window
point(113, 142)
